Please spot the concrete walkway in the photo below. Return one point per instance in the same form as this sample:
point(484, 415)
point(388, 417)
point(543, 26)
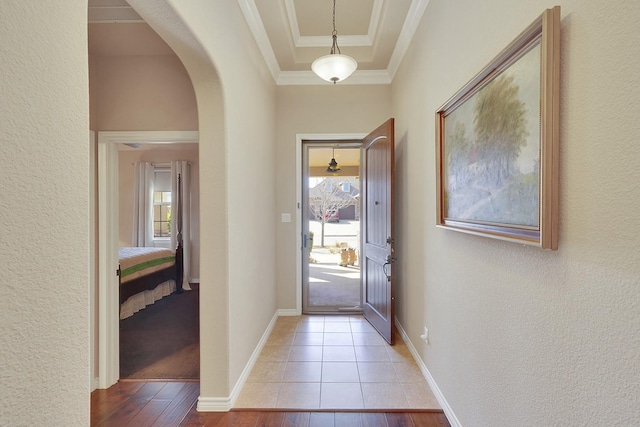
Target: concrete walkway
point(331, 284)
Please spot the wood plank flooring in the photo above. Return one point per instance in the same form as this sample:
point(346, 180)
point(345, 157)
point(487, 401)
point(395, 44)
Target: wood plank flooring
point(173, 403)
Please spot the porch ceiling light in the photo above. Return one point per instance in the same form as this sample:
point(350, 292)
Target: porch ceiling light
point(333, 165)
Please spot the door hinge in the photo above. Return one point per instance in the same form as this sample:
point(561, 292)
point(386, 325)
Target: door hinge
point(390, 241)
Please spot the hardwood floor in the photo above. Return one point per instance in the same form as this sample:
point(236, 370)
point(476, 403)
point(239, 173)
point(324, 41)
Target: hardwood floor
point(160, 403)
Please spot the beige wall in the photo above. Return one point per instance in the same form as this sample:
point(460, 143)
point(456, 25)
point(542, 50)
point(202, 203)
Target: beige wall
point(340, 109)
point(126, 184)
point(151, 92)
point(518, 335)
point(44, 211)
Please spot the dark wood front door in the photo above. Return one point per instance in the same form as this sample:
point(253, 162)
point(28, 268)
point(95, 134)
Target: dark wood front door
point(377, 229)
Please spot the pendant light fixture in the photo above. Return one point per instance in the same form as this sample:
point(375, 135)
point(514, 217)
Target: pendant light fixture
point(333, 165)
point(334, 67)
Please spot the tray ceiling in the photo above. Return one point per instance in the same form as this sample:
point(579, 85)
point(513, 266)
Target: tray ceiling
point(291, 34)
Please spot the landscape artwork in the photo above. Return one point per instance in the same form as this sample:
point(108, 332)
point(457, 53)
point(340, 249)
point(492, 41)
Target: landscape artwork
point(497, 143)
point(491, 150)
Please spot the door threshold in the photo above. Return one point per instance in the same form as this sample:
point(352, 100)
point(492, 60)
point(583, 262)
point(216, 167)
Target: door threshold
point(340, 312)
point(351, 309)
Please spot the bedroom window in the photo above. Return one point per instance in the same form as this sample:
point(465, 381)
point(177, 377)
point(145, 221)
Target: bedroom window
point(161, 214)
point(162, 203)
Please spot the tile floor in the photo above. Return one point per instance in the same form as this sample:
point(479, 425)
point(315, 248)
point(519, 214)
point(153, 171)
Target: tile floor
point(334, 362)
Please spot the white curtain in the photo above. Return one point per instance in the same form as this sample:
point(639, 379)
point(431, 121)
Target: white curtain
point(143, 204)
point(182, 168)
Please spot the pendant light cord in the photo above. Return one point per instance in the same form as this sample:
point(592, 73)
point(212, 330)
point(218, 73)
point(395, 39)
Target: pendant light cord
point(334, 46)
point(335, 66)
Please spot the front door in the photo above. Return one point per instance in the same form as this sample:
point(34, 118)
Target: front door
point(377, 229)
point(331, 227)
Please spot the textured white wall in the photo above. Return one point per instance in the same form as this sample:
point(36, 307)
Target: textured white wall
point(44, 214)
point(521, 336)
point(236, 109)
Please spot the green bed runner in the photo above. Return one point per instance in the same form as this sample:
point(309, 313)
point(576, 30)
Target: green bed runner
point(146, 264)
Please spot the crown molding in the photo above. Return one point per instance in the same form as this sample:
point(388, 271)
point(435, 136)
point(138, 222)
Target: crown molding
point(149, 137)
point(252, 16)
point(361, 77)
point(409, 28)
point(327, 41)
point(120, 14)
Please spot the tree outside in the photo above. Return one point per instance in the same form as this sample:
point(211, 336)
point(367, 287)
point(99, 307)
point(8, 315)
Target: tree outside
point(500, 129)
point(327, 198)
point(484, 182)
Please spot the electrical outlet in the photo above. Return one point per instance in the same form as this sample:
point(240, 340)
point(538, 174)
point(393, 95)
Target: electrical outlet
point(425, 335)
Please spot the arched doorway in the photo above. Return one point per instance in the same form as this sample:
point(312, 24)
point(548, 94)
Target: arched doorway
point(197, 65)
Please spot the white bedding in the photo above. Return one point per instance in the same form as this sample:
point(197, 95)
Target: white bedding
point(139, 301)
point(137, 262)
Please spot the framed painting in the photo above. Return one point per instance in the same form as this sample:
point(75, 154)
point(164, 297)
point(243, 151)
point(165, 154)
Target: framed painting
point(497, 143)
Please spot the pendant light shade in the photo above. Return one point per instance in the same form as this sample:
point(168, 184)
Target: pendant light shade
point(334, 67)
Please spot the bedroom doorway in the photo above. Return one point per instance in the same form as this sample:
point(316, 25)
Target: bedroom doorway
point(159, 327)
point(331, 227)
point(109, 231)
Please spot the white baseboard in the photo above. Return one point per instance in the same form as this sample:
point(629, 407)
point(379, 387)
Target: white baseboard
point(453, 420)
point(221, 404)
point(213, 404)
point(194, 280)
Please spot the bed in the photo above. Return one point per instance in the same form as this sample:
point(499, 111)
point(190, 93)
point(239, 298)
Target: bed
point(147, 275)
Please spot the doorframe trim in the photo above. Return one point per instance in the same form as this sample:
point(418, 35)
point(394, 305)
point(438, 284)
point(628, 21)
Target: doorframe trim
point(108, 300)
point(299, 138)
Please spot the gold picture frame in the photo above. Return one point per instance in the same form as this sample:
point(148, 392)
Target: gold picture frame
point(497, 143)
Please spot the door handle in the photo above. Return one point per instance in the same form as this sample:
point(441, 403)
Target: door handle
point(388, 261)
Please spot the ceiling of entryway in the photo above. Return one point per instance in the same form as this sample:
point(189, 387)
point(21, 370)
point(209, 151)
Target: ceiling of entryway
point(291, 34)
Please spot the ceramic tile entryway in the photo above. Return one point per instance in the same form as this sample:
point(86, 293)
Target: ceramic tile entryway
point(334, 362)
